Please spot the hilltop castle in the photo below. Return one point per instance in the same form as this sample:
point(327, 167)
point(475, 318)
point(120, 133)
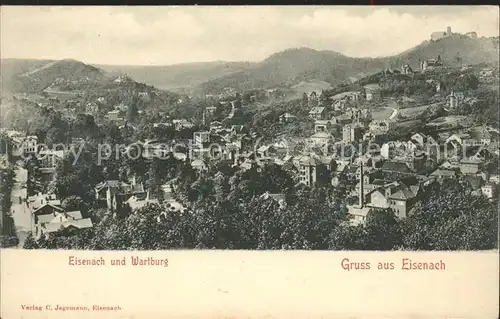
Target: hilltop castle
point(440, 34)
point(445, 34)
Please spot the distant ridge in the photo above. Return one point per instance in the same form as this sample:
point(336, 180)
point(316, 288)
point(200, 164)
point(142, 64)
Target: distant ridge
point(286, 68)
point(178, 76)
point(303, 64)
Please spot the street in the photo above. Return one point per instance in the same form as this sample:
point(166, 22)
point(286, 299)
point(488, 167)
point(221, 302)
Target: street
point(20, 212)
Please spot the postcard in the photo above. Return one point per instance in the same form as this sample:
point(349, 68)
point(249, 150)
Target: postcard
point(249, 162)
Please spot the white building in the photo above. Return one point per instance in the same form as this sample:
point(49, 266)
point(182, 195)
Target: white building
point(441, 34)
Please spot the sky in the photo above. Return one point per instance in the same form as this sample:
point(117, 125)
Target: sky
point(149, 35)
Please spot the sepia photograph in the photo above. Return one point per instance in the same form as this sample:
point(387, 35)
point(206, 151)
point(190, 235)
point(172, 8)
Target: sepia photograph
point(275, 128)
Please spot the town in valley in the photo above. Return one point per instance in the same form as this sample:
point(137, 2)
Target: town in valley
point(308, 150)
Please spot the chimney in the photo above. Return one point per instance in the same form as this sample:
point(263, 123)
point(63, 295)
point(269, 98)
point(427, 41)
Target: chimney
point(361, 190)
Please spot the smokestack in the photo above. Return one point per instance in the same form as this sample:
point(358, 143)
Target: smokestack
point(361, 188)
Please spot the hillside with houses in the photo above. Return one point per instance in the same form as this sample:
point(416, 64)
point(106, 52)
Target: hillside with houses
point(291, 153)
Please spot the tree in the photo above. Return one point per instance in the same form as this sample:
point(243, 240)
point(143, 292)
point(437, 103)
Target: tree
point(305, 100)
point(451, 217)
point(6, 146)
point(78, 177)
point(72, 203)
point(8, 235)
point(132, 113)
point(30, 242)
point(154, 178)
point(382, 230)
point(34, 182)
point(84, 126)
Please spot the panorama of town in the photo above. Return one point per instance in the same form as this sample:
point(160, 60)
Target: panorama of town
point(403, 155)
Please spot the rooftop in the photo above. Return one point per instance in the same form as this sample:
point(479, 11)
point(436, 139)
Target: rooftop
point(309, 161)
point(317, 110)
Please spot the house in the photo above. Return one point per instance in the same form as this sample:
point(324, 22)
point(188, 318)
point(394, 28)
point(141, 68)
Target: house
point(136, 202)
point(311, 170)
point(144, 96)
point(45, 209)
point(489, 190)
point(317, 113)
point(351, 133)
point(30, 145)
point(246, 164)
point(287, 118)
point(441, 174)
point(396, 167)
point(481, 135)
point(414, 161)
point(23, 145)
point(39, 200)
point(313, 96)
point(406, 69)
point(340, 105)
point(265, 150)
point(199, 165)
point(278, 197)
point(321, 138)
point(349, 96)
point(343, 100)
point(64, 223)
point(113, 115)
point(461, 140)
point(396, 195)
point(373, 92)
point(394, 149)
point(343, 119)
point(323, 125)
point(49, 159)
point(358, 214)
point(471, 165)
point(455, 99)
point(180, 124)
point(201, 138)
point(431, 63)
point(115, 192)
point(285, 161)
point(215, 126)
point(422, 140)
point(380, 126)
